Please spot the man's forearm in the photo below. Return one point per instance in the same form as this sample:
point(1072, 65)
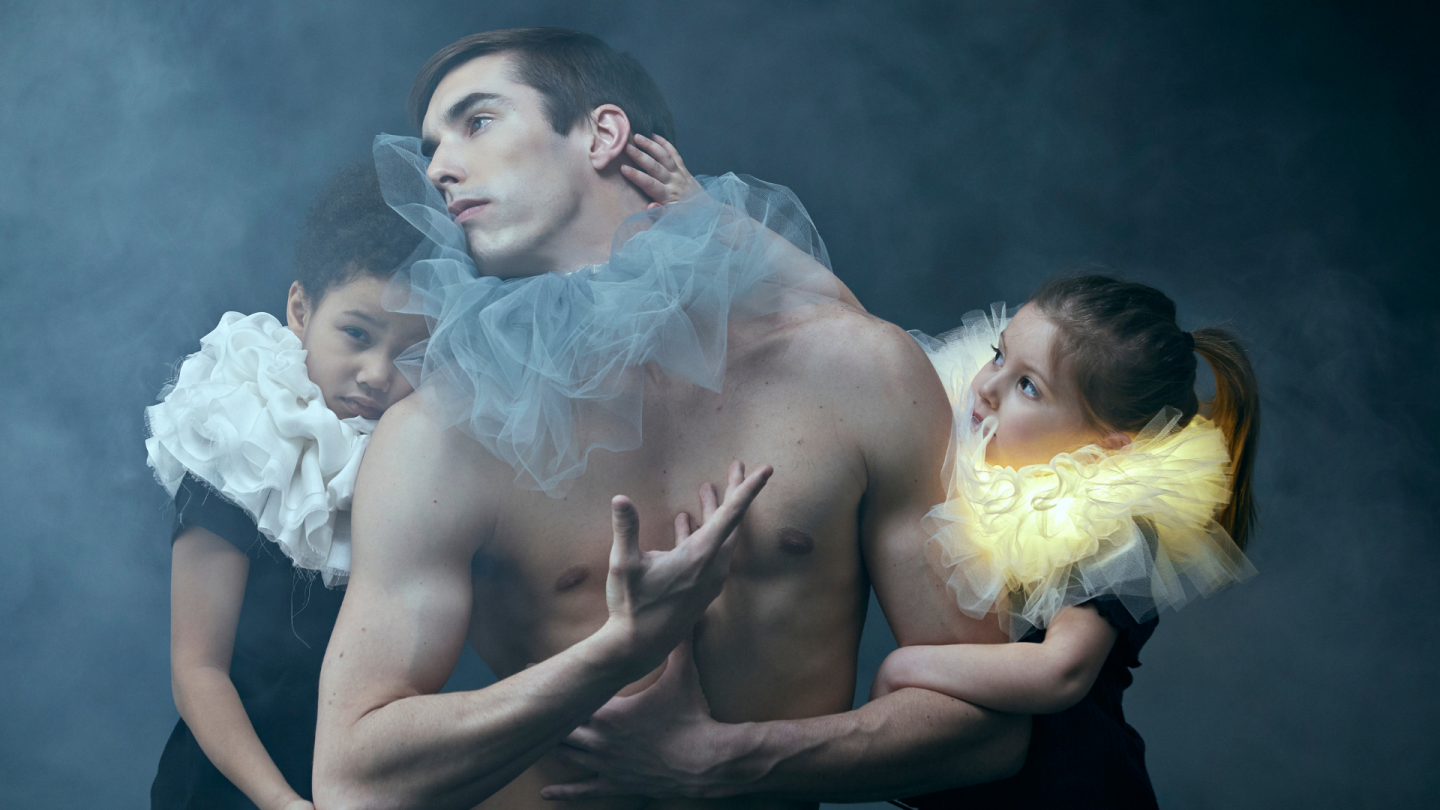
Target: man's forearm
point(456, 749)
point(910, 742)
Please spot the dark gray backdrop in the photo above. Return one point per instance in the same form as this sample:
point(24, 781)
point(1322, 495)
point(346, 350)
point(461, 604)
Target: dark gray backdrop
point(1271, 166)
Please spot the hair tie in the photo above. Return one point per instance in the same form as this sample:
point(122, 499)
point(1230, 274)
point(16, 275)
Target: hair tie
point(1189, 340)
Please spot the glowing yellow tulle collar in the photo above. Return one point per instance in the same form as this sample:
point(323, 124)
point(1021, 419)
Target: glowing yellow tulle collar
point(1135, 523)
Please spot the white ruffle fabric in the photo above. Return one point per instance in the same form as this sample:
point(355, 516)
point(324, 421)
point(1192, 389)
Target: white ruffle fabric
point(544, 370)
point(244, 417)
point(1136, 523)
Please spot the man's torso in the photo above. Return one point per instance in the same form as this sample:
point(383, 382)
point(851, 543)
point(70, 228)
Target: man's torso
point(781, 640)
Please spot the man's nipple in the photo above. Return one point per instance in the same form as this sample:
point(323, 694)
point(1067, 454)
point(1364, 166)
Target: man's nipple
point(571, 577)
point(794, 541)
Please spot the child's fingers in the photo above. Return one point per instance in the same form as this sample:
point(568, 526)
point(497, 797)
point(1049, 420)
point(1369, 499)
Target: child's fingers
point(662, 152)
point(647, 164)
point(652, 187)
point(677, 162)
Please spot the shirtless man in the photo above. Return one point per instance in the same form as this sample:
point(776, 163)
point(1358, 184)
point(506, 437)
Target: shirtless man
point(844, 406)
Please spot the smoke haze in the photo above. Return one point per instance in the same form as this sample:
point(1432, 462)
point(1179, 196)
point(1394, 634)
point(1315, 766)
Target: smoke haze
point(1271, 166)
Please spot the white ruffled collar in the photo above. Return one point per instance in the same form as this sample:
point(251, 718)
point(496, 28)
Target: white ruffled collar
point(244, 417)
point(1136, 523)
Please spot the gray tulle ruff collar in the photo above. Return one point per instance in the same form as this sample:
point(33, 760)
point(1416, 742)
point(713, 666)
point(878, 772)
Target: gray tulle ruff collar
point(543, 370)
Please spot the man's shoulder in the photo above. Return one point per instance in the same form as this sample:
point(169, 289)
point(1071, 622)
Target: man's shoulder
point(846, 346)
point(417, 434)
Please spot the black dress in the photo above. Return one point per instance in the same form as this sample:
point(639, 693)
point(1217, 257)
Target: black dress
point(285, 623)
point(1086, 756)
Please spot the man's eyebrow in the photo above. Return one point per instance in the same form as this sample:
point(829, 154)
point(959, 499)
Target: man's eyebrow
point(457, 111)
point(459, 108)
point(370, 319)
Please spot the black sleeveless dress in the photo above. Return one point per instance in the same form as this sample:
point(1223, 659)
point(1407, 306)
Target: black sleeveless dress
point(285, 623)
point(1084, 757)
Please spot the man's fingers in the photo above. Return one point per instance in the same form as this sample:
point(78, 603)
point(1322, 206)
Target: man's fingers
point(722, 524)
point(740, 496)
point(582, 738)
point(709, 501)
point(584, 789)
point(625, 522)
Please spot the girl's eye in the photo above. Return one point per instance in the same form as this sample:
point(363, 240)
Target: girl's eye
point(999, 356)
point(476, 123)
point(1027, 387)
point(357, 333)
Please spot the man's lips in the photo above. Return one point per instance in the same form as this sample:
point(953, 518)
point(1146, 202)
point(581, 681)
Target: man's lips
point(363, 406)
point(467, 208)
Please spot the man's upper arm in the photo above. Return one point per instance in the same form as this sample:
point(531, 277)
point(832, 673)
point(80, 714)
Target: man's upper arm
point(407, 607)
point(904, 444)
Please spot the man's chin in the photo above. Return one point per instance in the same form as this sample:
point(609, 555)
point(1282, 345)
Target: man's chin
point(504, 264)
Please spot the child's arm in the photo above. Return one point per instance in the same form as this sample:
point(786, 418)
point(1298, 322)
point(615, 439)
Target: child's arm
point(1023, 678)
point(207, 587)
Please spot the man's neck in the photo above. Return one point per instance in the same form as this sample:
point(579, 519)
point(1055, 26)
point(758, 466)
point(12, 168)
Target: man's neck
point(589, 234)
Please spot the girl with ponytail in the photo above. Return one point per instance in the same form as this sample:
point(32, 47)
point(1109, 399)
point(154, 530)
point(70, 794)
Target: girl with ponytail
point(1089, 488)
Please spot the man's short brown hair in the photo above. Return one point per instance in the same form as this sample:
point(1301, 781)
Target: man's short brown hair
point(574, 73)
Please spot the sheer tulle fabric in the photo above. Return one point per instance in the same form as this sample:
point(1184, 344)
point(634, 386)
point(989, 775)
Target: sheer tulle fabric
point(244, 417)
point(544, 370)
point(1135, 523)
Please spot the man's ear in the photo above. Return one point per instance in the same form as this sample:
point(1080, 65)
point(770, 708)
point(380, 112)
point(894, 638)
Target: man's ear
point(611, 127)
point(297, 310)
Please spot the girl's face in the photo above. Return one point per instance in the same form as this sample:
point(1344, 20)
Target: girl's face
point(351, 343)
point(1036, 405)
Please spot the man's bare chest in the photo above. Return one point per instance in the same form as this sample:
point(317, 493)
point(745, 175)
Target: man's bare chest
point(539, 583)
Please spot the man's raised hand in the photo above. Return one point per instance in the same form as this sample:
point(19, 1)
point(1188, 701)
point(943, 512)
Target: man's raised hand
point(655, 597)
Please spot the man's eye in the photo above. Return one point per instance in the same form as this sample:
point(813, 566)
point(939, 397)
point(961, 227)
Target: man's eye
point(999, 356)
point(476, 123)
point(1028, 388)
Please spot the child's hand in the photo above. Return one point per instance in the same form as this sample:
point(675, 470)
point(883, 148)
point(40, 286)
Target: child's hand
point(658, 171)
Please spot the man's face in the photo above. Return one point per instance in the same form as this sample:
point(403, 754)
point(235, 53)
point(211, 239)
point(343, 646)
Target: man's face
point(511, 182)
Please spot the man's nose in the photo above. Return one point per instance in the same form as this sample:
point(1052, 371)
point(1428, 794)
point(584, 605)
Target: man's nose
point(445, 170)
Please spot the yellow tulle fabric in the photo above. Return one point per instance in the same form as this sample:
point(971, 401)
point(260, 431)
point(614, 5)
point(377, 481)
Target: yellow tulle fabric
point(1136, 523)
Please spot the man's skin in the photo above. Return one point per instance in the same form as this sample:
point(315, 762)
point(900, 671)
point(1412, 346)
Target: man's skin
point(844, 406)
